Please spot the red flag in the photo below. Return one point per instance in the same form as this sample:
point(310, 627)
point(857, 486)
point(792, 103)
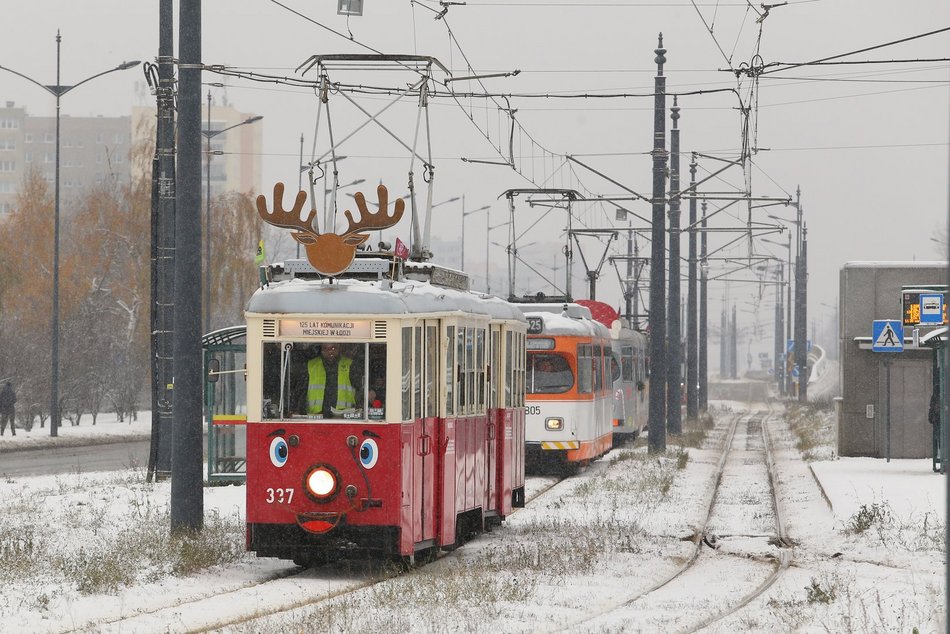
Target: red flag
point(402, 251)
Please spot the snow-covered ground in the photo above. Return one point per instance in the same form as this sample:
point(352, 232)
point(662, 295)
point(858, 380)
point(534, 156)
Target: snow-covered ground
point(90, 552)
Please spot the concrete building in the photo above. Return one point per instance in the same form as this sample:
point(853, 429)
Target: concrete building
point(236, 154)
point(97, 150)
point(871, 291)
point(93, 150)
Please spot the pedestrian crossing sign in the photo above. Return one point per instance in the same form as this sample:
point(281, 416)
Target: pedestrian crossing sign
point(887, 335)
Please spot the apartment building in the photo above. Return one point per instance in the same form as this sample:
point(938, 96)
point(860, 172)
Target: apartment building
point(96, 150)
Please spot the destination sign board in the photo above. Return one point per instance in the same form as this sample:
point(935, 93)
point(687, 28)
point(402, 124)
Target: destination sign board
point(336, 329)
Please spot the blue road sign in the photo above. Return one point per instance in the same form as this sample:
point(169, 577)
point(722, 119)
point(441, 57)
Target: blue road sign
point(931, 309)
point(887, 335)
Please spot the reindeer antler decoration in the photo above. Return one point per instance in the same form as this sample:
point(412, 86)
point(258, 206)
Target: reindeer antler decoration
point(330, 253)
point(381, 219)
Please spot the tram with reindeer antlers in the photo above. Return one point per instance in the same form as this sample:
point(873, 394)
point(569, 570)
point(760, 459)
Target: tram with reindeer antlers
point(385, 399)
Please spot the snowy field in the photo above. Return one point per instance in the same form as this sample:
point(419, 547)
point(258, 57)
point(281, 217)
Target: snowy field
point(91, 552)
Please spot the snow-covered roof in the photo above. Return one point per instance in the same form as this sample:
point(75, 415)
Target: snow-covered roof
point(556, 324)
point(381, 297)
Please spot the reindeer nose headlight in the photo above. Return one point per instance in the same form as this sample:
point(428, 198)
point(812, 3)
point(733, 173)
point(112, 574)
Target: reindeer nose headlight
point(322, 483)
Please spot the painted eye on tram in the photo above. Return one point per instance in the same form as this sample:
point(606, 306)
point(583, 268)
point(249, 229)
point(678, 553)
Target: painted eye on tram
point(278, 452)
point(369, 453)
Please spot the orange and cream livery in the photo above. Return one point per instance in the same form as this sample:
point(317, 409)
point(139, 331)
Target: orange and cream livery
point(569, 393)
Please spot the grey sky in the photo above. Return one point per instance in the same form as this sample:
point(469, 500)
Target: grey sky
point(869, 149)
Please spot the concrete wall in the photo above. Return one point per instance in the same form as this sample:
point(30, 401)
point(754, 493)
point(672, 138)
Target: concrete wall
point(871, 291)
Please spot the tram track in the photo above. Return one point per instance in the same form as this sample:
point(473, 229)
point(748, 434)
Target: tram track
point(728, 538)
point(298, 585)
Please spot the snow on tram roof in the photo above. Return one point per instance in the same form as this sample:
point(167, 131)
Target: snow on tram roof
point(561, 322)
point(353, 297)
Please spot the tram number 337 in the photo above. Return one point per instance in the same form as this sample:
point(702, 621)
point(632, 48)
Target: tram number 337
point(532, 410)
point(280, 496)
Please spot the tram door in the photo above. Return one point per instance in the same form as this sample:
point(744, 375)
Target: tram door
point(426, 365)
point(496, 416)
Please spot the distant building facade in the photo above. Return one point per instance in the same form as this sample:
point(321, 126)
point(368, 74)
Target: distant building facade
point(871, 291)
point(93, 150)
point(235, 154)
point(97, 150)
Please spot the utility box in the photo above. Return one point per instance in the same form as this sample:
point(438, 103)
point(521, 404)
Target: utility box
point(872, 291)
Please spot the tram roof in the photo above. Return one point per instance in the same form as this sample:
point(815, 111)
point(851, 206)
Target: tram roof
point(380, 297)
point(566, 322)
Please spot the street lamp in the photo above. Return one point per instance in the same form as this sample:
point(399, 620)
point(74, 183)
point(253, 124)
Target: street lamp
point(488, 230)
point(209, 134)
point(469, 213)
point(58, 90)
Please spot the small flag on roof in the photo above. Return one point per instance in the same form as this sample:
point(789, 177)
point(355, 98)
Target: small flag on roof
point(402, 251)
point(259, 258)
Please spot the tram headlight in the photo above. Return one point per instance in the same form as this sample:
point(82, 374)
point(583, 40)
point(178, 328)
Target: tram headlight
point(554, 424)
point(322, 483)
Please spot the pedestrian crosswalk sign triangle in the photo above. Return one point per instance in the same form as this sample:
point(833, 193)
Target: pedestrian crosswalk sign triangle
point(887, 336)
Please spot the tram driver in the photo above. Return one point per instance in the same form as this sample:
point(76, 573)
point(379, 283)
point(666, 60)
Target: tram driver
point(334, 382)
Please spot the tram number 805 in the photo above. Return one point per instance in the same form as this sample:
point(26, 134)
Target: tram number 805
point(532, 410)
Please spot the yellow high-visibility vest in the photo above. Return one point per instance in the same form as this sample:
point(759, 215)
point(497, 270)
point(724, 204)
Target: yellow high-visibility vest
point(345, 392)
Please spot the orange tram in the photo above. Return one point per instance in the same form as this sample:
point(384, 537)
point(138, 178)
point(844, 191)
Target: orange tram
point(586, 383)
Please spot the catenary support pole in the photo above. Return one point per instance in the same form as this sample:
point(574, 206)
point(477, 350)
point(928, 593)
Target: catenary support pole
point(163, 276)
point(674, 355)
point(703, 318)
point(692, 348)
point(657, 416)
point(187, 503)
point(801, 323)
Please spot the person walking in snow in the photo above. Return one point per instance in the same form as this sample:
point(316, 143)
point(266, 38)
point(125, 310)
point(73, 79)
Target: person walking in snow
point(7, 410)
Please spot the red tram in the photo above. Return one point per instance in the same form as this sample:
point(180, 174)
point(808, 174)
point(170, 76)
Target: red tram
point(425, 443)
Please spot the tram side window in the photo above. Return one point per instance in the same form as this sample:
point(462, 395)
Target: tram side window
point(598, 365)
point(376, 383)
point(520, 361)
point(406, 373)
point(493, 373)
point(626, 363)
point(470, 370)
point(615, 373)
point(432, 369)
point(417, 373)
point(450, 371)
point(585, 379)
point(480, 368)
point(509, 370)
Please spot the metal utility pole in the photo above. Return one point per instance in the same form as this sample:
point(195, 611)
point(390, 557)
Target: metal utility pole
point(801, 321)
point(733, 346)
point(779, 330)
point(187, 503)
point(703, 319)
point(657, 416)
point(163, 250)
point(675, 341)
point(692, 352)
point(723, 341)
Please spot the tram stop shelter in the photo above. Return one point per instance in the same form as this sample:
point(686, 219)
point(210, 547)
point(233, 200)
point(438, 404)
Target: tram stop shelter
point(873, 420)
point(225, 372)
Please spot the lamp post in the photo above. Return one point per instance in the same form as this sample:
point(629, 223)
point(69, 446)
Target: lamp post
point(58, 90)
point(209, 134)
point(488, 230)
point(464, 214)
point(800, 335)
point(786, 380)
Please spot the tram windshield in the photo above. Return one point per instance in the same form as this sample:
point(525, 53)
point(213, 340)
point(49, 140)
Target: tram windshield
point(327, 379)
point(548, 374)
